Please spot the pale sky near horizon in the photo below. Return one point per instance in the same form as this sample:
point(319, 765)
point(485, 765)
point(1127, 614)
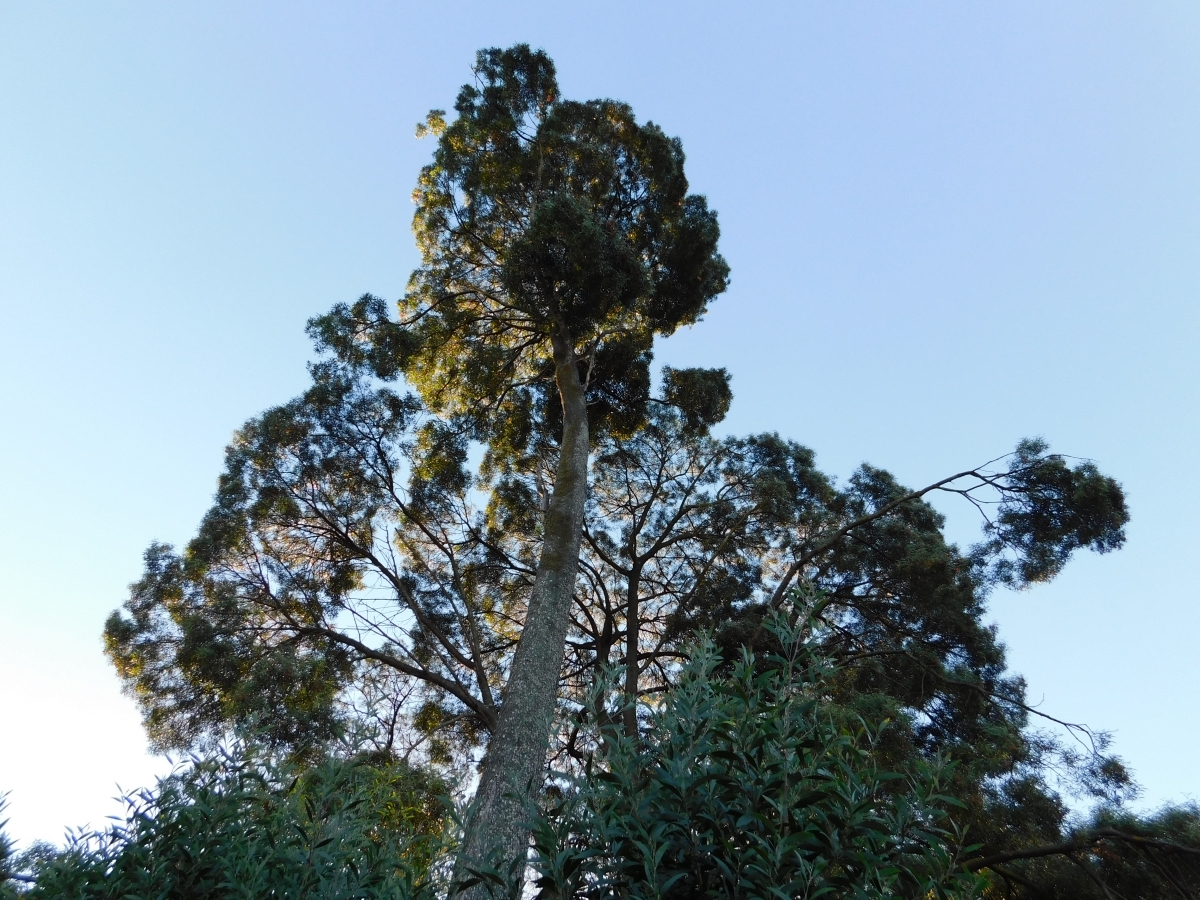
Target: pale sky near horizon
point(950, 225)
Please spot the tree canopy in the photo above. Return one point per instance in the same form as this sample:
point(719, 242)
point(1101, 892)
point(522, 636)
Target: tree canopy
point(551, 232)
point(480, 507)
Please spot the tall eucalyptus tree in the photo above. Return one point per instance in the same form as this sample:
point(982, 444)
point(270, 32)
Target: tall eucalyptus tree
point(351, 549)
point(558, 238)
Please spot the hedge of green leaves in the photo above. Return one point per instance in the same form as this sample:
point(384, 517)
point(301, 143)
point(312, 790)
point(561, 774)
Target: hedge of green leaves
point(750, 784)
point(241, 825)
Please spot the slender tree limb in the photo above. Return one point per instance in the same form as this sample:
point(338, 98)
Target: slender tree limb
point(487, 714)
point(1077, 845)
point(806, 557)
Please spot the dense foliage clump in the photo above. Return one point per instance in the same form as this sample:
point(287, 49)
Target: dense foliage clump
point(244, 824)
point(750, 782)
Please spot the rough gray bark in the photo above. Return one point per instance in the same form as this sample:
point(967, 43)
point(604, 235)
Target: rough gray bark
point(631, 648)
point(516, 756)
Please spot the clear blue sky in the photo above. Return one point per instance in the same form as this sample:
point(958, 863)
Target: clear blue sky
point(951, 225)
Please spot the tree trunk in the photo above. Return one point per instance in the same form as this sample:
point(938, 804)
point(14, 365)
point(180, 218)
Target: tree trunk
point(516, 755)
point(632, 636)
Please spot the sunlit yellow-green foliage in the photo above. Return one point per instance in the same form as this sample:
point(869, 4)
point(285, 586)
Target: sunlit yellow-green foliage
point(539, 220)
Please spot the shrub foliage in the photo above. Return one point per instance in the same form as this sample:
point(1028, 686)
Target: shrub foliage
point(242, 825)
point(749, 782)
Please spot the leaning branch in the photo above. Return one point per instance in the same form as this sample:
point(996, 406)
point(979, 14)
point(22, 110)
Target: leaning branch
point(485, 712)
point(1078, 845)
point(777, 599)
point(808, 556)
